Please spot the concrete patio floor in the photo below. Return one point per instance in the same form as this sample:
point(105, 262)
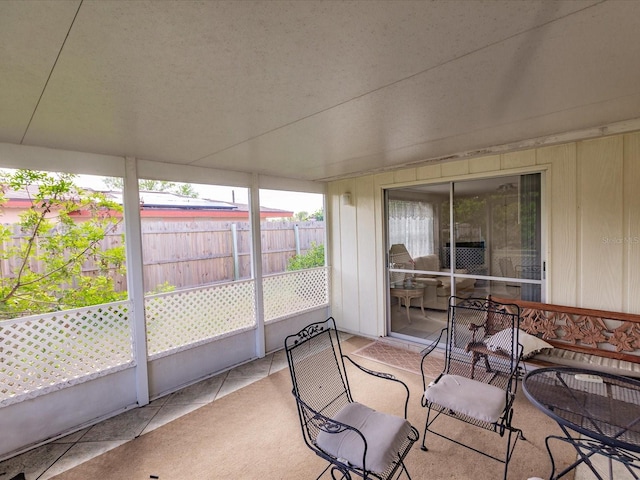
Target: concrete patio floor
point(62, 454)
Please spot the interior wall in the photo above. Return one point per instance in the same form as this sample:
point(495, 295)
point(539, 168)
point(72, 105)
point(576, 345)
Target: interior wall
point(591, 209)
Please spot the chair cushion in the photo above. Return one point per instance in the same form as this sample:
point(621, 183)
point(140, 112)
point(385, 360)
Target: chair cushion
point(470, 397)
point(384, 433)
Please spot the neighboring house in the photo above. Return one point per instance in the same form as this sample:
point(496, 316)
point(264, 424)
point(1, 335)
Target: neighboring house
point(155, 205)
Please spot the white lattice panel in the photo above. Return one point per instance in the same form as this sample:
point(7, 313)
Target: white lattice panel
point(184, 318)
point(292, 292)
point(44, 353)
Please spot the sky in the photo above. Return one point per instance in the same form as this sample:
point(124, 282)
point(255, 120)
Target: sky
point(291, 201)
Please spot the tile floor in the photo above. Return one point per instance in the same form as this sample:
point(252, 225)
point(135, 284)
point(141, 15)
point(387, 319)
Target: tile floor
point(64, 453)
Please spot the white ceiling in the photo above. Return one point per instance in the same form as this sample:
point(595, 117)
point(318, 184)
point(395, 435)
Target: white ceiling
point(311, 90)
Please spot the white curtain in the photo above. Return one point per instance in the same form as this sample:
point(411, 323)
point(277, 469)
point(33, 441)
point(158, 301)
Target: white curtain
point(411, 223)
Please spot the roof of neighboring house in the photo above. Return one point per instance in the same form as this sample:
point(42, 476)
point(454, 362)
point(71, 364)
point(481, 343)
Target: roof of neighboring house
point(167, 204)
point(167, 200)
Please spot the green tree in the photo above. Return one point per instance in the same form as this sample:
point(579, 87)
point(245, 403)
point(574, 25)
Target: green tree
point(318, 215)
point(184, 189)
point(313, 258)
point(301, 216)
point(46, 256)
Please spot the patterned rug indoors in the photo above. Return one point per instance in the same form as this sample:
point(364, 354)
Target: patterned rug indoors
point(400, 358)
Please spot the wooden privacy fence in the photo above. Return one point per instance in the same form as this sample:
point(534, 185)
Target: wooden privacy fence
point(192, 253)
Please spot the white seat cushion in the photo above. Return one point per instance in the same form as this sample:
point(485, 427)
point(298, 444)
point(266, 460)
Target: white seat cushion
point(470, 397)
point(384, 434)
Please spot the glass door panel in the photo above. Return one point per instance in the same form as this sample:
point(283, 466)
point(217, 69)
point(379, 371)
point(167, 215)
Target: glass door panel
point(494, 247)
point(418, 288)
point(498, 235)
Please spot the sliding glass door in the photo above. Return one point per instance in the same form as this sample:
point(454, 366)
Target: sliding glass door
point(469, 238)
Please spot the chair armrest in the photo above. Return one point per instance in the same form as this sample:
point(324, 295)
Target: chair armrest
point(425, 353)
point(322, 423)
point(474, 327)
point(384, 376)
point(433, 345)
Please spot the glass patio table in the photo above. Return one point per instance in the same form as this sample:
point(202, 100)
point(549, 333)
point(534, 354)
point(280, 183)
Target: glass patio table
point(597, 412)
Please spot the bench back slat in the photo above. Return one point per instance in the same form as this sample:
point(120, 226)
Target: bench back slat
point(582, 330)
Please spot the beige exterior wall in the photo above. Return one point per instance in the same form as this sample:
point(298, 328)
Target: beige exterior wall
point(591, 208)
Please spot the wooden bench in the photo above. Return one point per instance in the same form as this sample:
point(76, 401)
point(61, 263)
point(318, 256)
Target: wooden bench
point(595, 339)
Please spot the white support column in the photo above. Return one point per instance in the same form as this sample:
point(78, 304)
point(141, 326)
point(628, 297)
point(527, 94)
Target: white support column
point(256, 262)
point(135, 279)
point(327, 251)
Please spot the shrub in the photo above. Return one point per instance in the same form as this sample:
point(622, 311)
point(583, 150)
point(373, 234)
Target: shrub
point(314, 257)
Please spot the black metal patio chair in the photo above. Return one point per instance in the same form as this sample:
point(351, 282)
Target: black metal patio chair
point(355, 439)
point(481, 395)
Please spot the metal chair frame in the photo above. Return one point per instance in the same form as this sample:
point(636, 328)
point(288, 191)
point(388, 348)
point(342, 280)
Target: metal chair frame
point(470, 321)
point(321, 388)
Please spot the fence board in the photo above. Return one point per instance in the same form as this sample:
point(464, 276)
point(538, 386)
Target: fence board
point(189, 254)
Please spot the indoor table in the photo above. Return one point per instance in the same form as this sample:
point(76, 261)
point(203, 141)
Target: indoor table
point(406, 293)
point(597, 412)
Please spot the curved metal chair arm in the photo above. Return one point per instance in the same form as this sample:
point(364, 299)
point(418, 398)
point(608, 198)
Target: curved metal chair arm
point(384, 376)
point(474, 327)
point(318, 421)
point(425, 353)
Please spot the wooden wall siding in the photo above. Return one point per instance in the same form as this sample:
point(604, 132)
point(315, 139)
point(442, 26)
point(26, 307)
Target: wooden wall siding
point(366, 251)
point(591, 209)
point(631, 263)
point(600, 218)
point(561, 220)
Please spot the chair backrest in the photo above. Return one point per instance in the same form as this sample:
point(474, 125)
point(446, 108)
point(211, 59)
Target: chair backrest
point(317, 373)
point(481, 340)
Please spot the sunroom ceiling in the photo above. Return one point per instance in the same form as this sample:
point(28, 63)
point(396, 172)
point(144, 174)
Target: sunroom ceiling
point(311, 90)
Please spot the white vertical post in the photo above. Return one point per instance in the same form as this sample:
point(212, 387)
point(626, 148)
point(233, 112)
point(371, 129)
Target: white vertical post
point(256, 261)
point(234, 247)
point(135, 278)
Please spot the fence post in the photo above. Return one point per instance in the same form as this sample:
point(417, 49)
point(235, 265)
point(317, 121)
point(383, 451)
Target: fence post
point(234, 250)
point(296, 232)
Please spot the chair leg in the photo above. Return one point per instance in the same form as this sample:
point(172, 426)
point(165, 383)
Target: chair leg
point(508, 457)
point(486, 363)
point(475, 356)
point(423, 447)
point(406, 472)
point(342, 474)
point(511, 448)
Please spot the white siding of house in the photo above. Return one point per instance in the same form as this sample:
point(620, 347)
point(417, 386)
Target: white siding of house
point(592, 214)
point(631, 185)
